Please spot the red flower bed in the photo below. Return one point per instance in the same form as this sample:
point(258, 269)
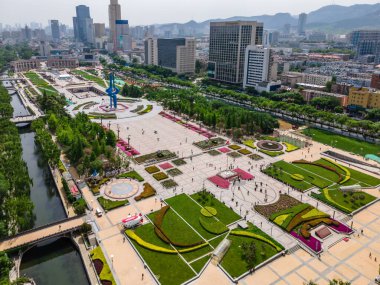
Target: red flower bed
point(220, 182)
point(243, 174)
point(166, 165)
point(224, 150)
point(98, 265)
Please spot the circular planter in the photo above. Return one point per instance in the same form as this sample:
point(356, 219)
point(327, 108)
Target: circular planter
point(270, 145)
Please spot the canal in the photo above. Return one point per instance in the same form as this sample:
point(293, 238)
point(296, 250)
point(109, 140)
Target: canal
point(56, 261)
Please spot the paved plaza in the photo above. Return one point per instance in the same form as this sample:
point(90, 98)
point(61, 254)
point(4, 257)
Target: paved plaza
point(347, 260)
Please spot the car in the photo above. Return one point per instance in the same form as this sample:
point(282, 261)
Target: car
point(377, 279)
point(98, 212)
point(132, 221)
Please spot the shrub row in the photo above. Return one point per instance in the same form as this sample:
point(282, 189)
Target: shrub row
point(255, 236)
point(212, 225)
point(149, 191)
point(132, 174)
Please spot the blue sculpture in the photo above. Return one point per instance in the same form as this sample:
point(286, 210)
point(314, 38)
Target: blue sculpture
point(112, 92)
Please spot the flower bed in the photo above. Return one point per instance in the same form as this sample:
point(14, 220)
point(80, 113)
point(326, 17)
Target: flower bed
point(165, 166)
point(234, 147)
point(219, 181)
point(174, 172)
point(255, 157)
point(148, 191)
point(148, 109)
point(214, 152)
point(244, 151)
point(224, 150)
point(179, 162)
point(271, 153)
point(105, 272)
point(160, 176)
point(270, 145)
point(211, 143)
point(290, 147)
point(137, 109)
point(152, 169)
point(244, 174)
point(169, 184)
point(234, 154)
point(155, 156)
point(131, 174)
point(250, 143)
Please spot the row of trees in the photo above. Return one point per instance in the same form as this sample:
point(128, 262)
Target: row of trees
point(16, 208)
point(9, 53)
point(215, 114)
point(302, 112)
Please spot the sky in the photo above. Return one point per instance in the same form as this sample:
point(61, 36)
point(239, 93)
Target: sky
point(147, 12)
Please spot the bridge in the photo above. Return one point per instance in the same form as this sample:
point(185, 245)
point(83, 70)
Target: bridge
point(24, 119)
point(43, 233)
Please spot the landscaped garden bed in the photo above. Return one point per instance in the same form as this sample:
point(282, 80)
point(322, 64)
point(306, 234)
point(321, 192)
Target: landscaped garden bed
point(250, 143)
point(245, 151)
point(95, 186)
point(346, 202)
point(148, 191)
point(148, 109)
point(255, 157)
point(299, 219)
point(109, 205)
point(211, 143)
point(101, 266)
point(234, 147)
point(271, 153)
point(214, 152)
point(131, 174)
point(174, 172)
point(290, 147)
point(179, 162)
point(169, 184)
point(270, 145)
point(160, 176)
point(155, 156)
point(152, 169)
point(234, 154)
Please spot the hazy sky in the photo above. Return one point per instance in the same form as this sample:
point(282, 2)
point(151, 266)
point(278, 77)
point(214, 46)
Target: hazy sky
point(144, 12)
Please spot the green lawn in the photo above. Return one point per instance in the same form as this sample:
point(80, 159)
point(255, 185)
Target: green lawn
point(90, 77)
point(40, 83)
point(271, 153)
point(225, 214)
point(109, 205)
point(190, 211)
point(169, 269)
point(285, 175)
point(233, 262)
point(347, 203)
point(132, 174)
point(106, 273)
point(357, 177)
point(348, 144)
point(198, 264)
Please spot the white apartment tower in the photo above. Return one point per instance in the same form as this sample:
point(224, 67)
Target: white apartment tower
point(259, 66)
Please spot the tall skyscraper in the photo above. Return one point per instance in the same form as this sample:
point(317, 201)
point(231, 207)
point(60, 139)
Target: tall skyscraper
point(55, 31)
point(259, 66)
point(83, 25)
point(123, 37)
point(302, 18)
point(228, 41)
point(175, 54)
point(114, 14)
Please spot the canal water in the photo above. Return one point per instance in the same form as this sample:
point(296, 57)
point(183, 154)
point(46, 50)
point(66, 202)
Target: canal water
point(55, 261)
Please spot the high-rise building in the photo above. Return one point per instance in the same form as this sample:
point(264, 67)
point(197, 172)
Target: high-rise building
point(176, 54)
point(259, 66)
point(228, 42)
point(100, 30)
point(83, 25)
point(26, 34)
point(55, 32)
point(114, 14)
point(286, 30)
point(366, 42)
point(123, 38)
point(44, 49)
point(302, 18)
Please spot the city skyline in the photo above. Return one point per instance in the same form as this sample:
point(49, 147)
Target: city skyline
point(146, 12)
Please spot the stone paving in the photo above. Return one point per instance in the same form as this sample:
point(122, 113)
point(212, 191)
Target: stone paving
point(347, 260)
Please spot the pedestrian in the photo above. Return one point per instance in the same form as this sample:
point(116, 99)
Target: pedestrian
point(142, 276)
point(362, 231)
point(370, 254)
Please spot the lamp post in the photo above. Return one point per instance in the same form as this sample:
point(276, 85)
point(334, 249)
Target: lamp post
point(118, 132)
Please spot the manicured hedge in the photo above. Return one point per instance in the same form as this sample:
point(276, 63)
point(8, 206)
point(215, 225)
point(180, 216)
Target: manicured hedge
point(244, 151)
point(109, 205)
point(131, 174)
point(271, 153)
point(160, 176)
point(290, 147)
point(209, 211)
point(255, 236)
point(152, 169)
point(234, 147)
point(179, 162)
point(148, 192)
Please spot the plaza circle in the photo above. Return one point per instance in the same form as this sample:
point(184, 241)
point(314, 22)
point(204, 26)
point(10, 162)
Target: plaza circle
point(270, 145)
point(121, 189)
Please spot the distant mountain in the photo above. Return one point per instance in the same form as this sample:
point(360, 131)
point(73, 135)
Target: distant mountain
point(332, 18)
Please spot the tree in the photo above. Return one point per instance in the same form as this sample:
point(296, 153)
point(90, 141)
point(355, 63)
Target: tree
point(249, 253)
